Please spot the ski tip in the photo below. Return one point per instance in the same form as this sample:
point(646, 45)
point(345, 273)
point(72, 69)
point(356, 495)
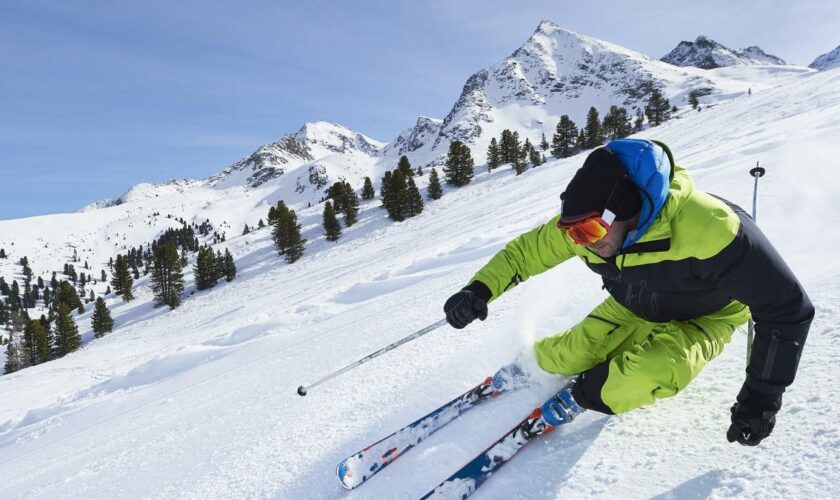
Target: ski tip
point(344, 476)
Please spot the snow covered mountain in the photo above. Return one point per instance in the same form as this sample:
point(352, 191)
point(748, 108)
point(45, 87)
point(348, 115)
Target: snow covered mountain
point(829, 60)
point(144, 191)
point(554, 72)
point(706, 53)
point(313, 141)
point(200, 402)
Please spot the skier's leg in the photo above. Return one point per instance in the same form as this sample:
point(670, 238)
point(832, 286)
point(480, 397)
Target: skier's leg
point(662, 365)
point(609, 328)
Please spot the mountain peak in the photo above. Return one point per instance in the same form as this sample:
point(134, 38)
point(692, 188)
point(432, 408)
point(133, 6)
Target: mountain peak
point(829, 60)
point(706, 53)
point(314, 140)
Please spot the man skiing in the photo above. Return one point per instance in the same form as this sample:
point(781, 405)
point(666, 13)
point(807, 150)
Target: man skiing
point(683, 269)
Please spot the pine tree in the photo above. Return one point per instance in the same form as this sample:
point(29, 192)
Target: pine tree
point(121, 279)
point(218, 266)
point(351, 215)
point(367, 190)
point(534, 157)
point(459, 165)
point(66, 294)
point(351, 205)
point(13, 363)
point(616, 123)
point(525, 153)
point(66, 333)
point(296, 242)
point(204, 269)
point(639, 121)
point(331, 226)
point(519, 166)
point(658, 109)
point(694, 99)
point(36, 345)
point(338, 195)
point(2, 253)
point(434, 190)
point(397, 196)
point(383, 191)
point(404, 166)
point(101, 320)
point(14, 296)
point(563, 142)
point(494, 155)
point(592, 131)
point(280, 232)
point(509, 146)
point(580, 143)
point(167, 280)
point(415, 201)
point(260, 224)
point(246, 230)
point(420, 171)
point(544, 143)
point(230, 266)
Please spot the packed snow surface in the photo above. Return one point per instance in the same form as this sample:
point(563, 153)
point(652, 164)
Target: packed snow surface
point(201, 402)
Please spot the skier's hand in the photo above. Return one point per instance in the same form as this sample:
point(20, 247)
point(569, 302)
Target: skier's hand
point(465, 306)
point(753, 416)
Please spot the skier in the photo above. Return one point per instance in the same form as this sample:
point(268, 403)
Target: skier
point(683, 269)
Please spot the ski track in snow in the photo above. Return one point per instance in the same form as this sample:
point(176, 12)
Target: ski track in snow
point(200, 402)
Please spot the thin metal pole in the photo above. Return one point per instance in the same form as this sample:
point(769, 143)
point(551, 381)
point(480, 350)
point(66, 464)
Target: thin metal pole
point(303, 389)
point(755, 173)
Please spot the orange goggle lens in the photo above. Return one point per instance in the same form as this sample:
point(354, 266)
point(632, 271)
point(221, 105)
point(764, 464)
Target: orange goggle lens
point(588, 232)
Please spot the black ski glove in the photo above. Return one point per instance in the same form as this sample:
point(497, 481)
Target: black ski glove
point(470, 303)
point(754, 415)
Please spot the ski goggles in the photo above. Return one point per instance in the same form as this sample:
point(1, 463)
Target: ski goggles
point(588, 229)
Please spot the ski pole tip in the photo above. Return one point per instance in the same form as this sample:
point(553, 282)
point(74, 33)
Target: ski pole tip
point(301, 391)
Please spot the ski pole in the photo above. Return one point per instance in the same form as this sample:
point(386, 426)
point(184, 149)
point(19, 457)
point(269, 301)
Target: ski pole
point(302, 390)
point(755, 172)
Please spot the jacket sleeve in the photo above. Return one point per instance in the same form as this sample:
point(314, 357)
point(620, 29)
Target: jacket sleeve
point(754, 273)
point(528, 254)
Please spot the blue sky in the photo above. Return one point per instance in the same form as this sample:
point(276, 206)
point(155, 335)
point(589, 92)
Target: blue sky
point(96, 96)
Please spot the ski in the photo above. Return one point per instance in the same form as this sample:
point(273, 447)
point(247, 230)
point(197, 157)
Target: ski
point(364, 464)
point(560, 409)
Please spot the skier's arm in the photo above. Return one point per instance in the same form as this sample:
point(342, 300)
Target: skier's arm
point(754, 273)
point(528, 254)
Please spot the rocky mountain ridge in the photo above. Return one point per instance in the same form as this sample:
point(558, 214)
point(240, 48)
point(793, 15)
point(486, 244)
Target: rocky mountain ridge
point(706, 53)
point(829, 60)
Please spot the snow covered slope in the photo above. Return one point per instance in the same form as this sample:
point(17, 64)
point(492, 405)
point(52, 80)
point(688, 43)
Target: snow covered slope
point(706, 53)
point(200, 402)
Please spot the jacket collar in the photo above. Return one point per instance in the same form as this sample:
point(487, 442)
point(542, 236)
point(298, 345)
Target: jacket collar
point(657, 238)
